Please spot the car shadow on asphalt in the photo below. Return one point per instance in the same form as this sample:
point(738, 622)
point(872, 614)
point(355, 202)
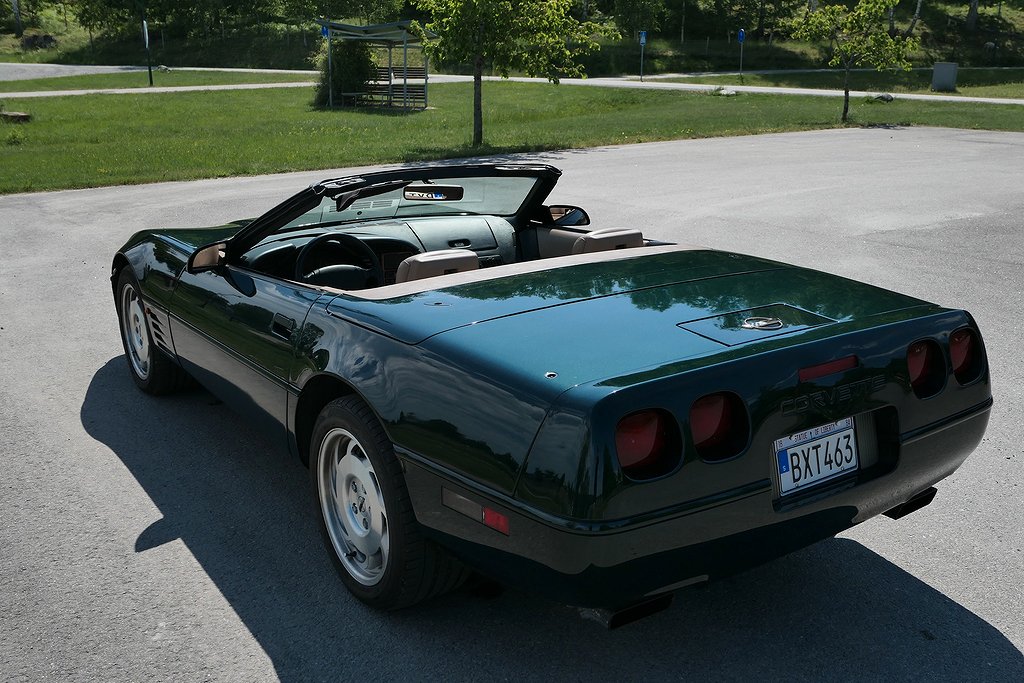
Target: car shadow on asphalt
point(243, 508)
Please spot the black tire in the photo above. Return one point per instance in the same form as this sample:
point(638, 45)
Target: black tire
point(152, 370)
point(365, 515)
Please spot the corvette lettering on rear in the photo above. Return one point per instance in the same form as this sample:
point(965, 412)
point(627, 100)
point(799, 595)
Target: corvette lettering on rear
point(836, 396)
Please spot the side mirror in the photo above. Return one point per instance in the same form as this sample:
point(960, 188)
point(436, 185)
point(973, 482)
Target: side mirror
point(568, 216)
point(205, 258)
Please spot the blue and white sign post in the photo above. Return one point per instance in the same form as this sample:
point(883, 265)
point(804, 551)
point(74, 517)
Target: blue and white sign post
point(643, 43)
point(741, 37)
point(325, 31)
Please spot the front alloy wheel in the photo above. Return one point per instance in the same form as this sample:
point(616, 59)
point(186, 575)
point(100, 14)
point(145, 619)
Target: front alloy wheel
point(153, 370)
point(134, 331)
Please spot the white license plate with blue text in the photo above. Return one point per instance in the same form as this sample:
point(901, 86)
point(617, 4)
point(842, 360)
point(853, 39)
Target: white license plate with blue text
point(816, 455)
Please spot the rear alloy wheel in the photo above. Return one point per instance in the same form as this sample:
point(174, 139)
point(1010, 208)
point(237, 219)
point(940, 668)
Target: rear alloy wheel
point(365, 514)
point(153, 371)
point(353, 507)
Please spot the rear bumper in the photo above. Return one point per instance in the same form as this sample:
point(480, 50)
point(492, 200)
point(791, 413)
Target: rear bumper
point(615, 563)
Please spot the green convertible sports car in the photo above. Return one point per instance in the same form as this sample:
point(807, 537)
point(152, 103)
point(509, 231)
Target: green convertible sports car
point(478, 380)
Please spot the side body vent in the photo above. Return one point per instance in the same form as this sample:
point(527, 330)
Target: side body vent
point(158, 328)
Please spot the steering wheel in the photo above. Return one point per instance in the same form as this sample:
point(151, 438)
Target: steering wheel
point(356, 252)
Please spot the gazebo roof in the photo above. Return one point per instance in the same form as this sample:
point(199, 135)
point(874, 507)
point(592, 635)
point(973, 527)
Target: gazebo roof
point(395, 33)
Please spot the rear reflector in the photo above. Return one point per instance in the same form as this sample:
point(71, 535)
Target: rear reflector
point(719, 426)
point(496, 520)
point(965, 353)
point(813, 372)
point(926, 368)
point(485, 515)
point(647, 444)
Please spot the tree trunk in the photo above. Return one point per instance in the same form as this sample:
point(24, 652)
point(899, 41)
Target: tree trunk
point(913, 20)
point(892, 21)
point(478, 110)
point(682, 25)
point(846, 93)
point(16, 8)
point(972, 16)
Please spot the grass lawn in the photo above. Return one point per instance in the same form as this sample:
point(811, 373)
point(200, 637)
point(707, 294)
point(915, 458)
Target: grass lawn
point(94, 140)
point(970, 82)
point(140, 79)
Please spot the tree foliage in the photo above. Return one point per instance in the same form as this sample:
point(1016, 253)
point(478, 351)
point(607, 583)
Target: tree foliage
point(859, 37)
point(632, 16)
point(537, 37)
point(200, 15)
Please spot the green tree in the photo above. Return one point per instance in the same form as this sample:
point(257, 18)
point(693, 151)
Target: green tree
point(971, 23)
point(370, 11)
point(632, 16)
point(859, 37)
point(538, 37)
point(16, 10)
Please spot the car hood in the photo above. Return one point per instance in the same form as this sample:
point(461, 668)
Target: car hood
point(601, 319)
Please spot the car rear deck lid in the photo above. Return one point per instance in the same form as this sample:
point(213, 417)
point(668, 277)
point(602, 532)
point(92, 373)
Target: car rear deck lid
point(753, 324)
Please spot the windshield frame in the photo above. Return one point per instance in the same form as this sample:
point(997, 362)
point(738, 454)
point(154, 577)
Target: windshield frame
point(306, 200)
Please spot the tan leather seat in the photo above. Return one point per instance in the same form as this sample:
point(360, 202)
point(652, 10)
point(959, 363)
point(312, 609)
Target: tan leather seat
point(608, 239)
point(434, 263)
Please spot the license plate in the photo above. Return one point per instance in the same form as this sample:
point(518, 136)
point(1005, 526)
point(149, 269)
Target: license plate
point(816, 455)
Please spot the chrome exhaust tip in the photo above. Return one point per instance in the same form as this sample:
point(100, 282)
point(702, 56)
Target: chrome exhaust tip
point(612, 619)
point(913, 505)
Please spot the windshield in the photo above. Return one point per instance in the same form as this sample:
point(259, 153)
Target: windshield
point(492, 196)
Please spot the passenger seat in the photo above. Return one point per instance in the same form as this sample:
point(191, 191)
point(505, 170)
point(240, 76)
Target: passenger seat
point(608, 239)
point(434, 263)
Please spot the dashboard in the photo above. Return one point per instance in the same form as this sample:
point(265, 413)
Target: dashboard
point(492, 238)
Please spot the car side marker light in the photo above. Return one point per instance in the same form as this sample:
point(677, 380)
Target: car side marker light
point(475, 511)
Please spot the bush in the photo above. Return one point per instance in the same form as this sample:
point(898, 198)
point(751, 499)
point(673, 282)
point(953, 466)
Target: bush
point(352, 68)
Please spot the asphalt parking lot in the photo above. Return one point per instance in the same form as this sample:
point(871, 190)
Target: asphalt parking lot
point(162, 539)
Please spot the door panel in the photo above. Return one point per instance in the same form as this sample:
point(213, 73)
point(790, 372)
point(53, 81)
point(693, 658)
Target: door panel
point(234, 332)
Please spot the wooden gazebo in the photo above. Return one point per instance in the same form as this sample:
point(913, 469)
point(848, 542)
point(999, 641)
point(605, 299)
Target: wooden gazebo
point(400, 86)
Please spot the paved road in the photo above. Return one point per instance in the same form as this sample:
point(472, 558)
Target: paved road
point(162, 539)
point(10, 71)
point(623, 82)
point(153, 91)
point(760, 89)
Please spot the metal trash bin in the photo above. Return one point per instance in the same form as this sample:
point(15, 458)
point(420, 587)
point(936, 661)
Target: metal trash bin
point(944, 76)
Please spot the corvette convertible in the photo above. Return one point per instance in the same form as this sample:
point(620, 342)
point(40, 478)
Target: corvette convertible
point(480, 381)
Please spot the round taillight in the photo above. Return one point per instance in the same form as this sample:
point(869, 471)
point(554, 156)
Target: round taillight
point(719, 426)
point(965, 353)
point(647, 444)
point(926, 368)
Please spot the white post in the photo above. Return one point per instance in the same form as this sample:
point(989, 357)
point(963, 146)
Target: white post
point(405, 70)
point(330, 72)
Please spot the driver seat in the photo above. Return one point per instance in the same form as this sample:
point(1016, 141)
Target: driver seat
point(434, 263)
